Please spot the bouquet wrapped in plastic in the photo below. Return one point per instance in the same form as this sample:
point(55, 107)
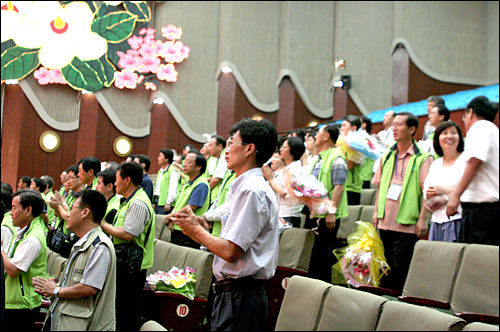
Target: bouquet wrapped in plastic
point(174, 281)
point(362, 262)
point(310, 191)
point(347, 151)
point(365, 144)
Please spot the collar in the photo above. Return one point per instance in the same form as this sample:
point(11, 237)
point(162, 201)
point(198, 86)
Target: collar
point(109, 200)
point(243, 177)
point(84, 238)
point(125, 200)
point(196, 178)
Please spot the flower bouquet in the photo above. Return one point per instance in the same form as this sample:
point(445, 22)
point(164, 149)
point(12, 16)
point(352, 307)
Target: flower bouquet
point(362, 262)
point(365, 144)
point(347, 151)
point(174, 281)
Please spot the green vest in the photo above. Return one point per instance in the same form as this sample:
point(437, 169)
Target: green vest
point(51, 216)
point(62, 190)
point(221, 198)
point(411, 193)
point(183, 198)
point(91, 313)
point(328, 157)
point(94, 184)
point(70, 199)
point(147, 259)
point(354, 182)
point(7, 222)
point(165, 184)
point(214, 192)
point(19, 291)
point(113, 204)
point(366, 170)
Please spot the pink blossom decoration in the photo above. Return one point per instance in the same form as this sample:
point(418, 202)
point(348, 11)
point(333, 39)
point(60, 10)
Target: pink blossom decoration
point(135, 42)
point(127, 61)
point(171, 32)
point(148, 51)
point(167, 73)
point(171, 53)
point(43, 76)
point(125, 79)
point(148, 64)
point(57, 77)
point(150, 86)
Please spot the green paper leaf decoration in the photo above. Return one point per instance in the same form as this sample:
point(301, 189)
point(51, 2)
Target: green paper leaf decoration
point(115, 27)
point(18, 62)
point(80, 75)
point(140, 9)
point(104, 69)
point(105, 9)
point(7, 44)
point(113, 48)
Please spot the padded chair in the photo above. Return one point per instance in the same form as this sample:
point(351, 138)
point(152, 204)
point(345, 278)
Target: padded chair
point(400, 316)
point(368, 196)
point(347, 309)
point(293, 259)
point(151, 325)
point(475, 294)
point(477, 326)
point(302, 304)
point(159, 225)
point(347, 224)
point(441, 260)
point(366, 213)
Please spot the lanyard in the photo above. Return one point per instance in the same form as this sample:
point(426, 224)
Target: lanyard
point(396, 166)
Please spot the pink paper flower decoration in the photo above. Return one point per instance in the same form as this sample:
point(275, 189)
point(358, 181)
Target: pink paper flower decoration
point(127, 61)
point(125, 79)
point(171, 52)
point(167, 73)
point(135, 42)
point(43, 76)
point(149, 64)
point(148, 51)
point(150, 86)
point(57, 76)
point(170, 32)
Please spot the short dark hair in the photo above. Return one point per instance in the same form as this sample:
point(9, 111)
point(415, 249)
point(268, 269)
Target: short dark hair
point(73, 168)
point(411, 120)
point(131, 156)
point(262, 134)
point(132, 170)
point(353, 120)
point(190, 146)
point(112, 165)
point(279, 143)
point(6, 186)
point(436, 99)
point(169, 155)
point(40, 184)
point(219, 140)
point(108, 176)
point(297, 147)
point(200, 160)
point(333, 131)
point(483, 107)
point(300, 132)
point(443, 110)
point(143, 159)
point(442, 127)
point(29, 197)
point(365, 119)
point(90, 163)
point(95, 202)
point(6, 198)
point(26, 179)
point(49, 180)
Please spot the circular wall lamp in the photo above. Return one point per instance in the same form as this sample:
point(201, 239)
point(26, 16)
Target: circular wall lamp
point(312, 123)
point(257, 117)
point(49, 141)
point(122, 146)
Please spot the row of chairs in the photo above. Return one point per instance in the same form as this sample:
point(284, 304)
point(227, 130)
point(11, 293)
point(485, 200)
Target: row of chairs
point(314, 305)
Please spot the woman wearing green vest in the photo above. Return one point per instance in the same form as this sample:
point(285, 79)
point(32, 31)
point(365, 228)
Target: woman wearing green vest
point(26, 259)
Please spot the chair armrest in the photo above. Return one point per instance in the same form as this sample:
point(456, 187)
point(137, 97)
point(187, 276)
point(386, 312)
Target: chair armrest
point(379, 290)
point(424, 302)
point(470, 317)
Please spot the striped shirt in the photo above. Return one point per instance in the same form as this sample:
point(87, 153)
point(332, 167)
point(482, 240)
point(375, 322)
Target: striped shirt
point(136, 218)
point(338, 172)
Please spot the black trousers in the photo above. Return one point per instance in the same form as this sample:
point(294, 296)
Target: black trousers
point(295, 221)
point(322, 257)
point(480, 223)
point(353, 198)
point(244, 309)
point(181, 239)
point(398, 250)
point(129, 288)
point(21, 319)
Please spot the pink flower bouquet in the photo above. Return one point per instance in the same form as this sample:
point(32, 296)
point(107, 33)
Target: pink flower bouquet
point(174, 281)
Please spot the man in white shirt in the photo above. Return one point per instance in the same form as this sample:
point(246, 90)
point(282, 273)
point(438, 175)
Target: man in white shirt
point(167, 181)
point(432, 102)
point(216, 147)
point(386, 136)
point(246, 253)
point(477, 190)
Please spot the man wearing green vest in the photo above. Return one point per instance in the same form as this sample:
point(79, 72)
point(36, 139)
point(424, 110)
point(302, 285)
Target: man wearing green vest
point(331, 170)
point(8, 229)
point(40, 185)
point(218, 209)
point(106, 186)
point(216, 147)
point(133, 237)
point(27, 258)
point(51, 216)
point(167, 182)
point(195, 193)
point(354, 181)
point(88, 168)
point(85, 298)
point(397, 214)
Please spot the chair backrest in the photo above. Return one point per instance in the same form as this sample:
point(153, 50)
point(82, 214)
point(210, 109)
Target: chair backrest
point(367, 196)
point(151, 325)
point(167, 255)
point(476, 286)
point(478, 326)
point(438, 259)
point(400, 316)
point(347, 224)
point(302, 304)
point(366, 213)
point(159, 225)
point(347, 309)
point(295, 248)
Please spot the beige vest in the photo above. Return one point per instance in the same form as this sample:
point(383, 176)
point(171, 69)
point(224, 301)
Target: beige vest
point(94, 313)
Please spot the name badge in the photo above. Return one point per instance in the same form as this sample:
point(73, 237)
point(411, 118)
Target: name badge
point(394, 191)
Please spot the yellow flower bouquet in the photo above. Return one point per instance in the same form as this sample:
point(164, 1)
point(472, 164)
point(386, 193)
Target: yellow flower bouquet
point(174, 281)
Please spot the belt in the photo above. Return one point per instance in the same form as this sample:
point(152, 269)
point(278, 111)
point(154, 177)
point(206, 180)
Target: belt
point(228, 285)
point(479, 205)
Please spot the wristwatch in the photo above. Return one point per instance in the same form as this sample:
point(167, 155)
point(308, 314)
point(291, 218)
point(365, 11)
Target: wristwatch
point(56, 291)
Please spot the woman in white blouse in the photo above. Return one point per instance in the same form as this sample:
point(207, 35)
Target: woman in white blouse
point(443, 177)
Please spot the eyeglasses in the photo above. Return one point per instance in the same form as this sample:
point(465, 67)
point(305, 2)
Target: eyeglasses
point(230, 142)
point(75, 207)
point(72, 177)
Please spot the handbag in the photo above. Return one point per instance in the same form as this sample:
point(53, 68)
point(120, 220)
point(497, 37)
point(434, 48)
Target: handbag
point(59, 242)
point(129, 255)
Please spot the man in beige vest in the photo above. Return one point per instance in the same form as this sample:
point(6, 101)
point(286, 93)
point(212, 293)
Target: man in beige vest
point(85, 297)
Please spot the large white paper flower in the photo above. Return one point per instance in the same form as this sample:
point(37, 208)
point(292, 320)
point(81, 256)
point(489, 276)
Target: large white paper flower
point(61, 33)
